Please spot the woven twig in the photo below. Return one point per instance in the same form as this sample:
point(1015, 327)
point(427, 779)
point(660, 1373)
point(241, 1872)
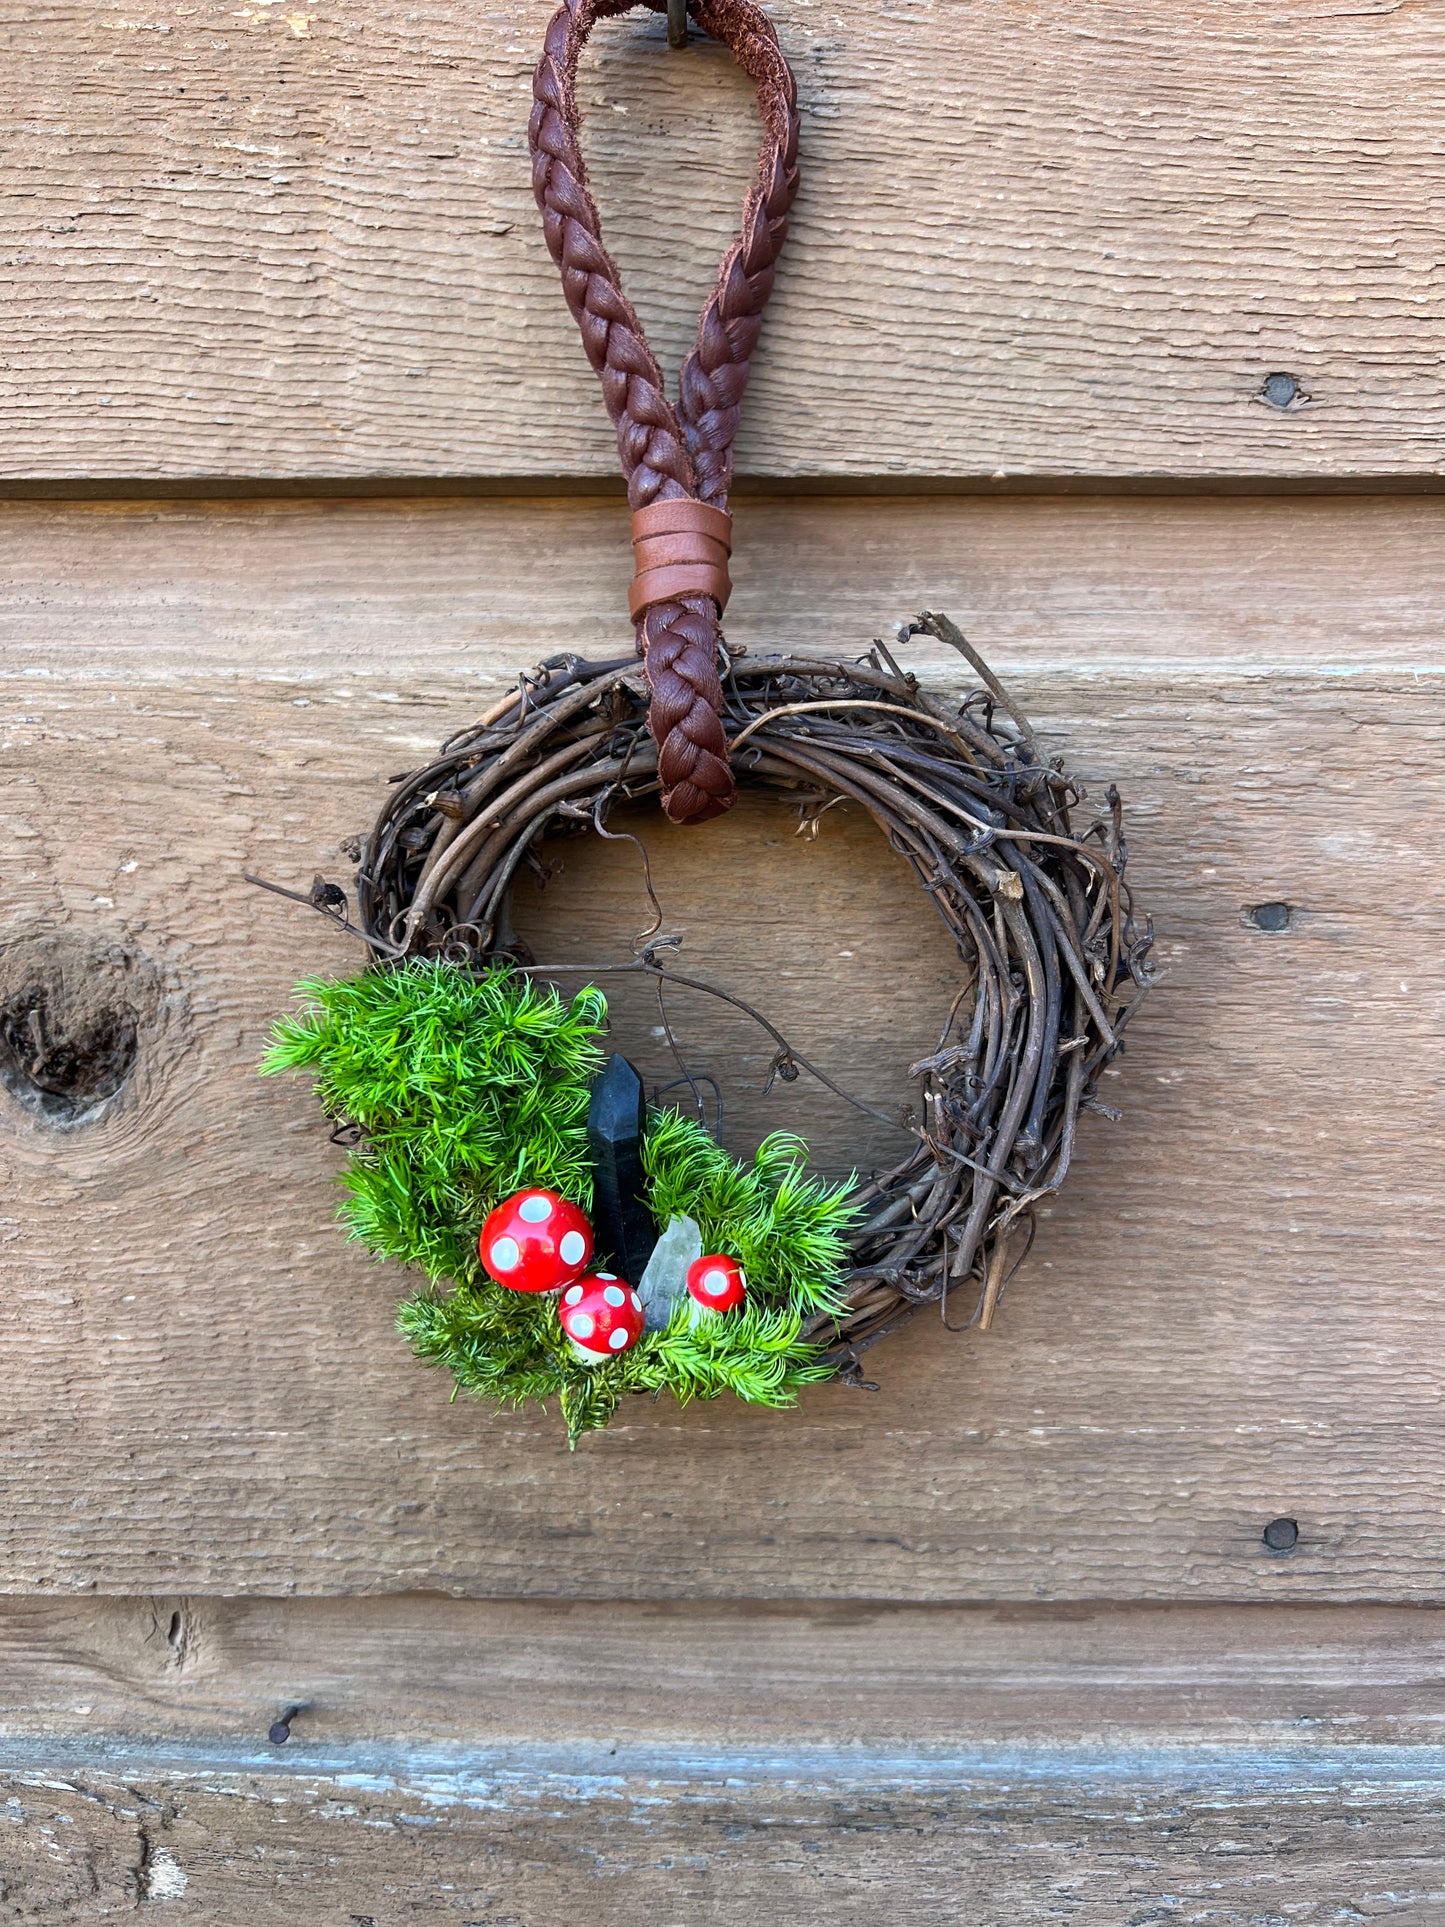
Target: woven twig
point(1053, 957)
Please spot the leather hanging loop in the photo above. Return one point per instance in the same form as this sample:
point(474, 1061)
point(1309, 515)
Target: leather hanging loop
point(673, 456)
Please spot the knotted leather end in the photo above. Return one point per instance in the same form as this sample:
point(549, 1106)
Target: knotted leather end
point(680, 548)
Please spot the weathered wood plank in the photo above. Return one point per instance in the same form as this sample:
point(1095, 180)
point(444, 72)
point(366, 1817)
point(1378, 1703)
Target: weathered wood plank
point(1222, 1321)
point(467, 592)
point(259, 241)
point(528, 1762)
point(427, 1675)
point(612, 1840)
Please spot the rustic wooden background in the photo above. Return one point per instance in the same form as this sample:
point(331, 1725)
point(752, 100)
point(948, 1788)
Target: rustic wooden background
point(1116, 332)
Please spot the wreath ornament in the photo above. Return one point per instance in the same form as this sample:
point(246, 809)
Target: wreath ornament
point(475, 1097)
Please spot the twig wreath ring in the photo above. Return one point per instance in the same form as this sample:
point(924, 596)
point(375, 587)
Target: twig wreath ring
point(580, 1242)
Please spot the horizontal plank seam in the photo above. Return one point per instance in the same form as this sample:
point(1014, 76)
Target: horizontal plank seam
point(122, 670)
point(468, 1768)
point(160, 489)
point(823, 1607)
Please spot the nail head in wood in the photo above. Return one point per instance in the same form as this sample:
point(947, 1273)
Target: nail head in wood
point(1271, 917)
point(279, 1731)
point(1280, 391)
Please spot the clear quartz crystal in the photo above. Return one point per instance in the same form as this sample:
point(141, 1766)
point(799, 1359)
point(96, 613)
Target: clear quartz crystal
point(665, 1280)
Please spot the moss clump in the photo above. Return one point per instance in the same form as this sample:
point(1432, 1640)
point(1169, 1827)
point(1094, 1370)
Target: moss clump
point(464, 1089)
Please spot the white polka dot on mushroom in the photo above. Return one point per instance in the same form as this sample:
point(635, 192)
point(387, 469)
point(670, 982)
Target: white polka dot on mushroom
point(535, 1210)
point(715, 1283)
point(582, 1325)
point(504, 1254)
point(618, 1339)
point(615, 1295)
point(573, 1248)
point(636, 1301)
point(573, 1295)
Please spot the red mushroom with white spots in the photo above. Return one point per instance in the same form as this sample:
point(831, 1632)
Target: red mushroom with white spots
point(717, 1283)
point(536, 1241)
point(601, 1316)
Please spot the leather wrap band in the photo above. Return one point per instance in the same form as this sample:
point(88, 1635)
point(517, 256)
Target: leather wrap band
point(680, 548)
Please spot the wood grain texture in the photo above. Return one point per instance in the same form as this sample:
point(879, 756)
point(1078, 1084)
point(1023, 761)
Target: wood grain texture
point(427, 1676)
point(530, 1761)
point(612, 1841)
point(303, 593)
point(525, 1762)
point(267, 240)
point(1224, 1319)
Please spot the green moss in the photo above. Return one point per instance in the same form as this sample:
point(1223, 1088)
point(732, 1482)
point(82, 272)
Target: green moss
point(466, 1088)
point(784, 1228)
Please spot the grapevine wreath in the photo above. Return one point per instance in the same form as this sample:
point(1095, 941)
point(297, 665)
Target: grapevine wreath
point(578, 1242)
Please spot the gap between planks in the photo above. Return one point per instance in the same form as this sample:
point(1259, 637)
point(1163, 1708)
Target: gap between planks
point(746, 487)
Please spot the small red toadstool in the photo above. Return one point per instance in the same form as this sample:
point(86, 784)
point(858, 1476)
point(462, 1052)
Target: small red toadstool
point(601, 1315)
point(717, 1284)
point(535, 1241)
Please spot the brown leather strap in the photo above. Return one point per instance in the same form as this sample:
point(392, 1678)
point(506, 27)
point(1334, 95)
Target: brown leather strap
point(675, 456)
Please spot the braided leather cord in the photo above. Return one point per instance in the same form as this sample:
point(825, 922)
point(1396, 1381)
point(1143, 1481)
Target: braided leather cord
point(668, 452)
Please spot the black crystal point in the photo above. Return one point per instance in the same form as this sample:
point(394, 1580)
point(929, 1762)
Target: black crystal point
point(621, 1223)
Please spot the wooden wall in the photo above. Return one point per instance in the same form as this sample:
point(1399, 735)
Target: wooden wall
point(302, 463)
